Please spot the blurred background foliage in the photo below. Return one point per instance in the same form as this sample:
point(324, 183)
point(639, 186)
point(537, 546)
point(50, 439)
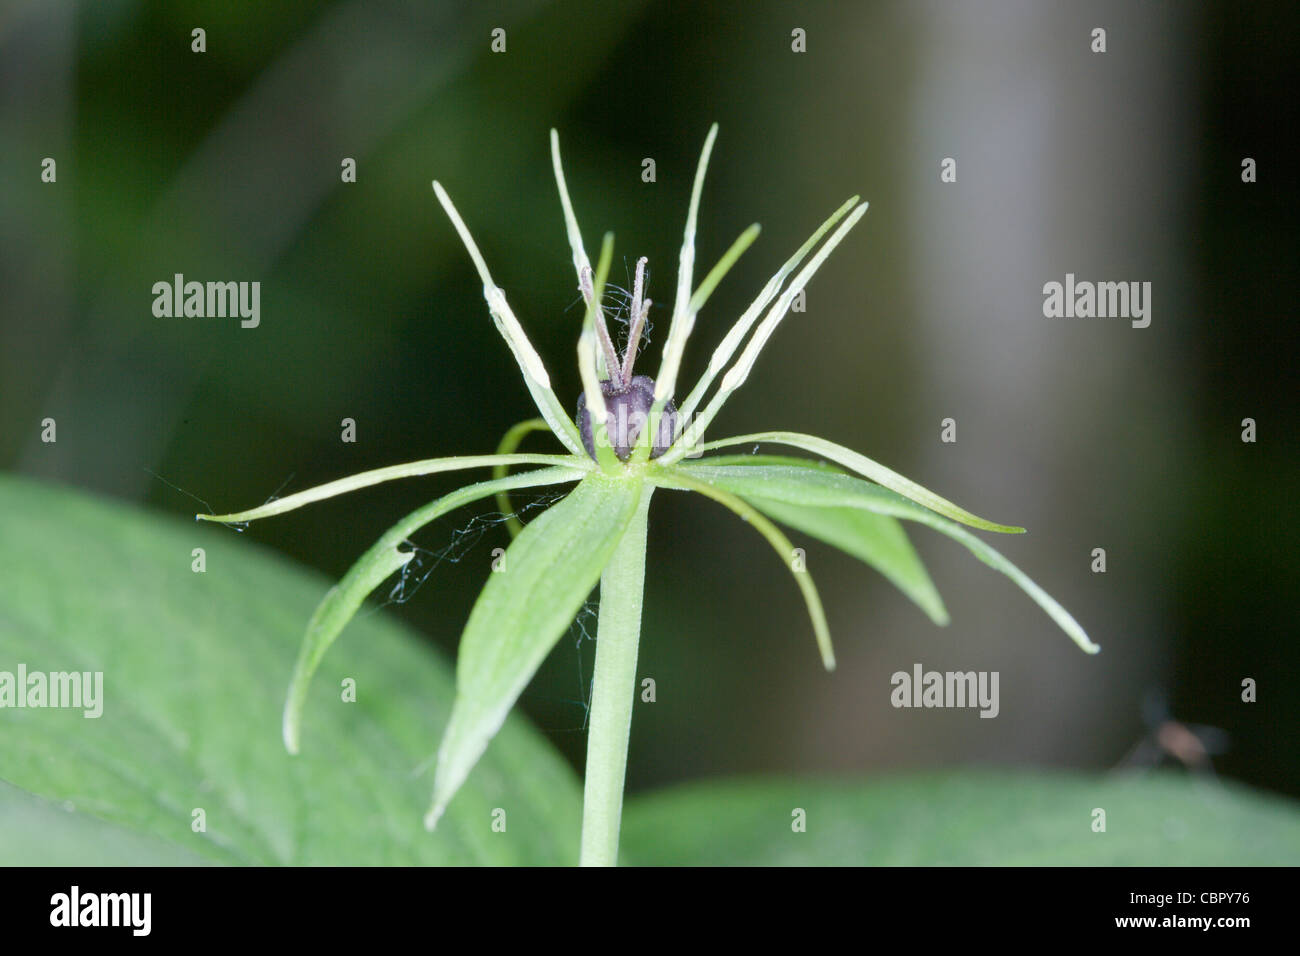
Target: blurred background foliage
point(225, 165)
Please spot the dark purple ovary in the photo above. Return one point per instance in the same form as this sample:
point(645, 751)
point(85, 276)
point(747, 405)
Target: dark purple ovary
point(628, 410)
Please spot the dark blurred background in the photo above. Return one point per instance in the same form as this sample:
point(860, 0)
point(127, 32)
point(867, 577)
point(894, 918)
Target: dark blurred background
point(1125, 165)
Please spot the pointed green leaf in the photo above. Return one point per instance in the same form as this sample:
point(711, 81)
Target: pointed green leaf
point(792, 460)
point(549, 571)
point(371, 570)
point(864, 466)
point(816, 488)
point(683, 479)
point(877, 540)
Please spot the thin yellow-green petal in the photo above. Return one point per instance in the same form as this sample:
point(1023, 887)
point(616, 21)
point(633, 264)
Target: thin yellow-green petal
point(411, 469)
point(736, 375)
point(677, 479)
point(509, 442)
point(530, 363)
point(731, 341)
point(580, 260)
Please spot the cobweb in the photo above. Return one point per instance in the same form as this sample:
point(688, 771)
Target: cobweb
point(618, 308)
point(459, 544)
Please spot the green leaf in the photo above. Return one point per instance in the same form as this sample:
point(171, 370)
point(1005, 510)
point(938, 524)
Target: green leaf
point(194, 667)
point(37, 832)
point(964, 819)
point(868, 469)
point(682, 480)
point(372, 569)
point(549, 571)
point(766, 485)
point(877, 540)
point(794, 462)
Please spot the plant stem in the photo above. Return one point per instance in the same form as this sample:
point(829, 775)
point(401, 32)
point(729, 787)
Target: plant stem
point(618, 635)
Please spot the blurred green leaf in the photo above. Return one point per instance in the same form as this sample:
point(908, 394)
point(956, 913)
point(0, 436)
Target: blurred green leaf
point(194, 668)
point(39, 832)
point(965, 819)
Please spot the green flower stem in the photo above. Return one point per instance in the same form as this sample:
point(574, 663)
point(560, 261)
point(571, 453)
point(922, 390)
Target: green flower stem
point(618, 635)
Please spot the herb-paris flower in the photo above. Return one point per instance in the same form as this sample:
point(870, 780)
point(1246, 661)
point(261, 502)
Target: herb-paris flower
point(628, 441)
